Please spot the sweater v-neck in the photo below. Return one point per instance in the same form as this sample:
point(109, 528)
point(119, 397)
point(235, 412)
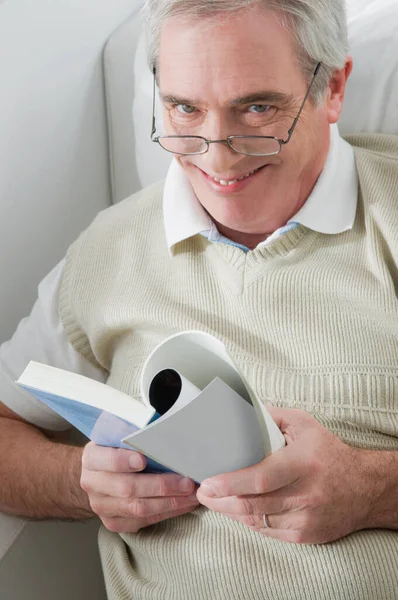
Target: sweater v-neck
point(239, 268)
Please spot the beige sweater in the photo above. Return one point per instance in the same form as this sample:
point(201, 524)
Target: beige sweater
point(312, 321)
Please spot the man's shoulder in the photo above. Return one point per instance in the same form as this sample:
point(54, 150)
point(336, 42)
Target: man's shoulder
point(128, 224)
point(374, 144)
point(376, 158)
point(142, 205)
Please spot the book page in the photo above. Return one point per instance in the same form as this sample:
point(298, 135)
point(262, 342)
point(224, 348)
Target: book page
point(50, 381)
point(200, 357)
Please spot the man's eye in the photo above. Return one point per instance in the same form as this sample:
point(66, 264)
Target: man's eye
point(185, 109)
point(259, 108)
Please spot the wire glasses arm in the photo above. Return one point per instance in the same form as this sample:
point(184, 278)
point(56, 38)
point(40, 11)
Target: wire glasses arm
point(293, 127)
point(153, 131)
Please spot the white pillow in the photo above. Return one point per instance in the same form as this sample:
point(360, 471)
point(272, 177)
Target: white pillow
point(152, 161)
point(371, 102)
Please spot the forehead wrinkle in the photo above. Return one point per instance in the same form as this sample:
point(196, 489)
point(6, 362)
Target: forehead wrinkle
point(224, 86)
point(230, 60)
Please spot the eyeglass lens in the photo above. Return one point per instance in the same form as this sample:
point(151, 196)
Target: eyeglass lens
point(251, 145)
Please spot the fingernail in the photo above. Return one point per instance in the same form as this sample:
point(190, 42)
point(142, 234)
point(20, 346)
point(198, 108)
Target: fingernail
point(136, 461)
point(208, 490)
point(186, 485)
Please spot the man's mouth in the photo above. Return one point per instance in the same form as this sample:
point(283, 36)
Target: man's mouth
point(226, 182)
point(231, 186)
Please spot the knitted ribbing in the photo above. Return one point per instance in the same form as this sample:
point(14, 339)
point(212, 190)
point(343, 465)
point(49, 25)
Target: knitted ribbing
point(312, 322)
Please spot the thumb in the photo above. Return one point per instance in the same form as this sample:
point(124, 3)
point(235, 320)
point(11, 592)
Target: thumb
point(278, 414)
point(285, 418)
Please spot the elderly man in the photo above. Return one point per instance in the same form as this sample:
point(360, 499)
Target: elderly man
point(277, 236)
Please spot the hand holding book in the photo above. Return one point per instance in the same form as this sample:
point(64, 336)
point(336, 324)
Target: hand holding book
point(127, 499)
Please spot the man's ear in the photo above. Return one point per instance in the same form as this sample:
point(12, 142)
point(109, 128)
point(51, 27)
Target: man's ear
point(336, 91)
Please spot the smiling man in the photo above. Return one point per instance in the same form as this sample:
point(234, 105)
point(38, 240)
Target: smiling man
point(249, 86)
point(277, 236)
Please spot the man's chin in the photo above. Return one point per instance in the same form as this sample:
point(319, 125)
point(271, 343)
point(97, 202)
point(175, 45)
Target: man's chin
point(233, 211)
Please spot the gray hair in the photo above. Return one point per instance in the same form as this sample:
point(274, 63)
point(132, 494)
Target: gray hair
point(318, 28)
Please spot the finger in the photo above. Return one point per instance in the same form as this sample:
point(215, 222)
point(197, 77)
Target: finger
point(135, 485)
point(291, 526)
point(250, 521)
point(280, 501)
point(117, 460)
point(140, 508)
point(120, 525)
point(278, 521)
point(273, 473)
point(293, 536)
point(277, 414)
point(286, 417)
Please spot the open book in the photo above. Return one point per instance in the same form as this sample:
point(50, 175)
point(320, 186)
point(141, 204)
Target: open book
point(196, 416)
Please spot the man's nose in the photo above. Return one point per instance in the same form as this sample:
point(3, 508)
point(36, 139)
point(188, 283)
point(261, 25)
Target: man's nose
point(220, 158)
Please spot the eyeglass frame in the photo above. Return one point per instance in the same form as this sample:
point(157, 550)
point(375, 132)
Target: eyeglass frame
point(230, 137)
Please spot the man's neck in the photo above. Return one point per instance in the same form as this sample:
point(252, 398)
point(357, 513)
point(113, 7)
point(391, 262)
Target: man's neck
point(250, 240)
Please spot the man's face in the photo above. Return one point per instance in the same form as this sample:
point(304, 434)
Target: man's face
point(240, 77)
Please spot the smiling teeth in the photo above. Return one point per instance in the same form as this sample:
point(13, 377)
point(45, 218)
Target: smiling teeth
point(224, 182)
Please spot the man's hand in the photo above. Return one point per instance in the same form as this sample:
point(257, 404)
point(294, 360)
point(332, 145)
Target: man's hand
point(315, 490)
point(127, 500)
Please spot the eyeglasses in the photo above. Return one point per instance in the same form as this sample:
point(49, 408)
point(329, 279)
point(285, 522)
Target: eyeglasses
point(250, 145)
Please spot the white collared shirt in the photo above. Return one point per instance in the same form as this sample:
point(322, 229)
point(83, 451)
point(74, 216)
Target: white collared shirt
point(330, 209)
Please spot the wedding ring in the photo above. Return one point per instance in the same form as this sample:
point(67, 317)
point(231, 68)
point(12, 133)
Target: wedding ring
point(266, 524)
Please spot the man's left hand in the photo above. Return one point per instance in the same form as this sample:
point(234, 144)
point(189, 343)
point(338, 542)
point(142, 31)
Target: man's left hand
point(313, 491)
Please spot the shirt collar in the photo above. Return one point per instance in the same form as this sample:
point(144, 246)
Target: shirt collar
point(330, 208)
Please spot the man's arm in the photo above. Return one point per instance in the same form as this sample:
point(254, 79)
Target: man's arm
point(40, 475)
point(39, 470)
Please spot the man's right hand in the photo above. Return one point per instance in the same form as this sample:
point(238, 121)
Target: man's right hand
point(125, 499)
